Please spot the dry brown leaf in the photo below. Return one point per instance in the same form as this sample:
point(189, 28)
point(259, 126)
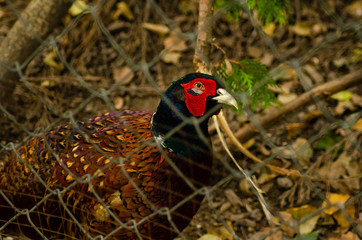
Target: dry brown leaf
point(343, 106)
point(174, 43)
point(286, 98)
point(229, 68)
point(355, 9)
point(118, 103)
point(287, 223)
point(254, 52)
point(358, 125)
point(209, 236)
point(349, 236)
point(357, 100)
point(266, 177)
point(272, 235)
point(123, 9)
point(312, 115)
point(171, 57)
point(49, 60)
point(123, 75)
point(156, 28)
point(222, 232)
point(303, 29)
point(244, 186)
point(295, 128)
point(233, 198)
point(303, 151)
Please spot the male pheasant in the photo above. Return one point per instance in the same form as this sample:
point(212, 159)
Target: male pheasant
point(123, 175)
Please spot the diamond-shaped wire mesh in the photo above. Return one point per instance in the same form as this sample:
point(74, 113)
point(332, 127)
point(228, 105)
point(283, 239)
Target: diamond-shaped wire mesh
point(60, 179)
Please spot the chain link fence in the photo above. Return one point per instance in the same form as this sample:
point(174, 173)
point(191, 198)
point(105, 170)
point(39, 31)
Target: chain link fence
point(123, 55)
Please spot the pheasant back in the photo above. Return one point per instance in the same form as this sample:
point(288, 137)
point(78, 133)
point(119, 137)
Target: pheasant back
point(101, 177)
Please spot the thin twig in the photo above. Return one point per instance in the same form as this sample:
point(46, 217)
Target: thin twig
point(257, 191)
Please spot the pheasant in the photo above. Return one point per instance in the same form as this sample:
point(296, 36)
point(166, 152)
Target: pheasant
point(123, 175)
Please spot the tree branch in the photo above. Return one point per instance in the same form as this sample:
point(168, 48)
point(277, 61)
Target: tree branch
point(35, 23)
point(274, 115)
point(203, 41)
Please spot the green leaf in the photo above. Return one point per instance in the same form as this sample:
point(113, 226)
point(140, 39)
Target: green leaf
point(326, 141)
point(268, 10)
point(342, 96)
point(308, 236)
point(251, 81)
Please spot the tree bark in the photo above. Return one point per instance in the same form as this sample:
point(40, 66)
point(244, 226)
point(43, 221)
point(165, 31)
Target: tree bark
point(33, 26)
point(203, 41)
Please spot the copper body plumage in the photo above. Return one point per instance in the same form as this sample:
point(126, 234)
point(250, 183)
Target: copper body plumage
point(107, 176)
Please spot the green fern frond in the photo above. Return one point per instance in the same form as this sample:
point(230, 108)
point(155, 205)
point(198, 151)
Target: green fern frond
point(249, 78)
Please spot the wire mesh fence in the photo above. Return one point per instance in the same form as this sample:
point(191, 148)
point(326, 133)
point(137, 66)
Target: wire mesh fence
point(107, 177)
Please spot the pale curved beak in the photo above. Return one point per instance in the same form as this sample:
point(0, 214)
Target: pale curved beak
point(225, 98)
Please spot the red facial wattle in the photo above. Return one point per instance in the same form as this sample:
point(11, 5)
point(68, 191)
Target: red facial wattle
point(195, 96)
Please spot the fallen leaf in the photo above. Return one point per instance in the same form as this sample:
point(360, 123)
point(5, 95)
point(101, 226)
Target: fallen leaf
point(308, 236)
point(357, 100)
point(229, 68)
point(209, 236)
point(303, 151)
point(358, 125)
point(254, 52)
point(244, 186)
point(174, 43)
point(272, 234)
point(355, 9)
point(342, 95)
point(357, 55)
point(232, 197)
point(222, 231)
point(187, 6)
point(49, 60)
point(284, 182)
point(77, 8)
point(123, 75)
point(287, 223)
point(343, 106)
point(341, 218)
point(299, 213)
point(286, 98)
point(156, 28)
point(123, 10)
point(349, 236)
point(295, 128)
point(171, 57)
point(118, 103)
point(303, 29)
point(269, 29)
point(327, 141)
point(312, 115)
point(248, 144)
point(334, 198)
point(266, 177)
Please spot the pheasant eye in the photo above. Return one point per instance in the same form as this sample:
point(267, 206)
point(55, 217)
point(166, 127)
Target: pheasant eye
point(199, 85)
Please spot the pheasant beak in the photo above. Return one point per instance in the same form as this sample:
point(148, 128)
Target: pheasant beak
point(224, 97)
